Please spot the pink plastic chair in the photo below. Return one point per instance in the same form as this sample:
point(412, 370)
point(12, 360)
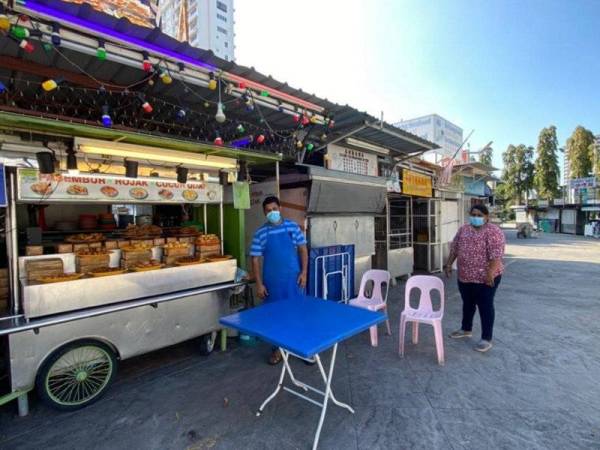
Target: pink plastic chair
point(377, 301)
point(424, 312)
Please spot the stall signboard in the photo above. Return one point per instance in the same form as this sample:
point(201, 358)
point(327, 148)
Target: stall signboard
point(37, 187)
point(414, 183)
point(583, 183)
point(351, 161)
point(3, 202)
point(139, 12)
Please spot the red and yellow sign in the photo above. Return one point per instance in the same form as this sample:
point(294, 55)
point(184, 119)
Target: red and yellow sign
point(414, 183)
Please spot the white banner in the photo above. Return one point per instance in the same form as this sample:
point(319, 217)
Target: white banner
point(34, 186)
point(351, 161)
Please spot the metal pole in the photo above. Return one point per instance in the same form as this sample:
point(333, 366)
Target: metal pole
point(205, 220)
point(11, 240)
point(277, 177)
point(221, 225)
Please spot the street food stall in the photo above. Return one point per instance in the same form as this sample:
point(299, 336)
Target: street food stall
point(95, 278)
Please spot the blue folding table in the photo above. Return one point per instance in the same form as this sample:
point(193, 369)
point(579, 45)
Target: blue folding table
point(304, 327)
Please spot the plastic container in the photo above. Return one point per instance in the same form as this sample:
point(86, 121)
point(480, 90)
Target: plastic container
point(248, 341)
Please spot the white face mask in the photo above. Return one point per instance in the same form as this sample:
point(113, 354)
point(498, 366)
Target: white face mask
point(274, 216)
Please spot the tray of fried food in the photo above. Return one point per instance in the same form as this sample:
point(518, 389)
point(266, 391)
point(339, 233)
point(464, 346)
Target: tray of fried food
point(185, 231)
point(142, 231)
point(106, 271)
point(136, 247)
point(57, 278)
point(93, 251)
point(85, 238)
point(144, 266)
point(217, 258)
point(207, 239)
point(190, 260)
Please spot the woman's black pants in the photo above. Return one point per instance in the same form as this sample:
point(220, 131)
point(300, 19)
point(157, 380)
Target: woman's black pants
point(479, 296)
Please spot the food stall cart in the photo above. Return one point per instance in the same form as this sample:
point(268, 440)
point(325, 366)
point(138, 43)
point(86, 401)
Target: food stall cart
point(109, 294)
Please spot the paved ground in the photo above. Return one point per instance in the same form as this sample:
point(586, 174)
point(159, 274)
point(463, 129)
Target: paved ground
point(538, 388)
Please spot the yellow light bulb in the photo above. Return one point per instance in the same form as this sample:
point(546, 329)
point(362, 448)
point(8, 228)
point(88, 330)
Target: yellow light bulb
point(49, 85)
point(212, 85)
point(4, 22)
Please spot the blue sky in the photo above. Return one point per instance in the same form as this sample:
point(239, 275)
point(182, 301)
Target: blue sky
point(504, 68)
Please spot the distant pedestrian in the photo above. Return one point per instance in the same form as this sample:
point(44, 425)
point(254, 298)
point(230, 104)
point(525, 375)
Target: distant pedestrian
point(479, 247)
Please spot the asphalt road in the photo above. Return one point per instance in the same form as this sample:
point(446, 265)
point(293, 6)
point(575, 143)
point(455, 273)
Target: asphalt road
point(538, 388)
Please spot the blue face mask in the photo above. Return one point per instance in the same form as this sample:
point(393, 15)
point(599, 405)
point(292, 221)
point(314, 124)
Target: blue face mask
point(477, 221)
point(274, 216)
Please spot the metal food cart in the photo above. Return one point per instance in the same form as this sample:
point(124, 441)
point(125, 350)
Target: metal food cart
point(65, 338)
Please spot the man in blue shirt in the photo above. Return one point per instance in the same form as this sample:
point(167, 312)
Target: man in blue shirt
point(282, 246)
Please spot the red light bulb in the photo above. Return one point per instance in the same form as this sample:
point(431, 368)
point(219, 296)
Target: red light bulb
point(260, 138)
point(147, 107)
point(218, 140)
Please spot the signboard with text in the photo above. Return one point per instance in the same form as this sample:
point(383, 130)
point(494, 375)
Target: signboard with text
point(352, 161)
point(414, 183)
point(582, 183)
point(37, 187)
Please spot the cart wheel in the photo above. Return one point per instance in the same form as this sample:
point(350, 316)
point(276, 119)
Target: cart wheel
point(76, 375)
point(207, 343)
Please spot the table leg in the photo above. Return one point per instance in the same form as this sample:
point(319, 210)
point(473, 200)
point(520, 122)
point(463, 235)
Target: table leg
point(327, 394)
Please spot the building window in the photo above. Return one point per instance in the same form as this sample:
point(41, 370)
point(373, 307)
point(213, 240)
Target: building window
point(222, 6)
point(222, 30)
point(222, 17)
point(226, 44)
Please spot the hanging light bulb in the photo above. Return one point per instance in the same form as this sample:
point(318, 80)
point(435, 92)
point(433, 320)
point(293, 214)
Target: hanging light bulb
point(4, 20)
point(260, 138)
point(220, 116)
point(19, 32)
point(146, 106)
point(242, 85)
point(101, 50)
point(229, 88)
point(305, 120)
point(106, 119)
point(264, 93)
point(55, 34)
point(180, 66)
point(218, 140)
point(310, 147)
point(180, 114)
point(331, 123)
point(240, 128)
point(165, 77)
point(212, 83)
point(296, 118)
point(146, 64)
point(299, 144)
point(206, 104)
point(51, 84)
point(25, 45)
point(324, 137)
point(313, 119)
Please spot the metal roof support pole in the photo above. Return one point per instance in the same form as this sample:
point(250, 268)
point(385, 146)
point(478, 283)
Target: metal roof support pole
point(277, 178)
point(333, 141)
point(11, 239)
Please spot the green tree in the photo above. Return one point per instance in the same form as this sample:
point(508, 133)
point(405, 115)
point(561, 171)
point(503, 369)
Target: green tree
point(518, 171)
point(580, 152)
point(546, 165)
point(486, 156)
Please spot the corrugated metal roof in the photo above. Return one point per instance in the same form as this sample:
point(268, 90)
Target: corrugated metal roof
point(346, 118)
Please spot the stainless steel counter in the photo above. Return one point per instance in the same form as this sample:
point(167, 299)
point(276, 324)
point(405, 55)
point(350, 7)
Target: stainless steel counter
point(46, 299)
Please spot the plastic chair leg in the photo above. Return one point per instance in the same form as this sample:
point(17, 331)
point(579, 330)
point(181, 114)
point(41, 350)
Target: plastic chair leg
point(373, 332)
point(415, 332)
point(387, 323)
point(439, 341)
point(402, 333)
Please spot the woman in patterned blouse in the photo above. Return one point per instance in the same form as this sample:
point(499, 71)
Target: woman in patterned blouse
point(478, 248)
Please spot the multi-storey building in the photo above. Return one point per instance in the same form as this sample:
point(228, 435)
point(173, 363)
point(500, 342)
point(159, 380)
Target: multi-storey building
point(206, 24)
point(435, 129)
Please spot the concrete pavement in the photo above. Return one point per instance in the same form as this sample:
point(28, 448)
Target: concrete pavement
point(538, 388)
